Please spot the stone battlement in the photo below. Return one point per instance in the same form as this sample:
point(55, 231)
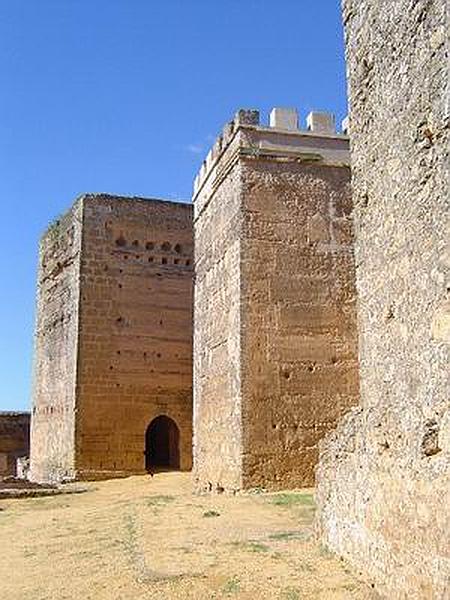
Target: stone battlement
point(318, 142)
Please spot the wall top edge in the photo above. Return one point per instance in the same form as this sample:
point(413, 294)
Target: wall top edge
point(282, 135)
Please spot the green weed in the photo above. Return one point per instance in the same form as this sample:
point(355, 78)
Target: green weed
point(251, 546)
point(160, 500)
point(211, 513)
point(292, 499)
point(232, 586)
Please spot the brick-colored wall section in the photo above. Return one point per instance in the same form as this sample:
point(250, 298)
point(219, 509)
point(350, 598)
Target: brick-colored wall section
point(384, 478)
point(135, 352)
point(113, 336)
point(14, 440)
point(55, 353)
point(275, 329)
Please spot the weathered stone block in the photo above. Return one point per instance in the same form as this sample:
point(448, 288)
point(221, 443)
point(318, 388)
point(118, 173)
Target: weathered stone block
point(284, 118)
point(321, 122)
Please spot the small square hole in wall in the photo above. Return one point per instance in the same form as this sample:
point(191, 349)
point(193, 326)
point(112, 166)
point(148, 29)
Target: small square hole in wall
point(150, 259)
point(135, 243)
point(149, 246)
point(176, 261)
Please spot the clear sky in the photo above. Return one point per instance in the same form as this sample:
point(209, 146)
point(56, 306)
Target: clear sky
point(125, 96)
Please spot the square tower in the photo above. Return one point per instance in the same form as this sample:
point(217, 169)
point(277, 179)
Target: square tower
point(113, 346)
point(275, 338)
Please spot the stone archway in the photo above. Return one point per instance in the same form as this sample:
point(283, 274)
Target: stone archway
point(162, 444)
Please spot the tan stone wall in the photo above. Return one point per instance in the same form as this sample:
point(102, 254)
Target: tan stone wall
point(135, 354)
point(275, 332)
point(384, 477)
point(217, 425)
point(14, 440)
point(55, 353)
point(113, 336)
point(299, 343)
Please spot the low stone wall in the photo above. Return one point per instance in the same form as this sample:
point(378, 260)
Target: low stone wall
point(14, 440)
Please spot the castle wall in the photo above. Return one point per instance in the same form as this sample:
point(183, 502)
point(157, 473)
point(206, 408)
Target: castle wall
point(217, 422)
point(135, 354)
point(113, 345)
point(384, 476)
point(275, 324)
point(299, 343)
point(14, 440)
point(52, 452)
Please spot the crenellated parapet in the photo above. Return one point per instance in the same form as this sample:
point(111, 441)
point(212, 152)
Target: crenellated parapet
point(283, 139)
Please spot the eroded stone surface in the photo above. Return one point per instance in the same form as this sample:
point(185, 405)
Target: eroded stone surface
point(14, 440)
point(275, 333)
point(113, 336)
point(384, 474)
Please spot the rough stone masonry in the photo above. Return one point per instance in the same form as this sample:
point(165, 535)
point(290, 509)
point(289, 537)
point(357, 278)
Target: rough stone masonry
point(384, 476)
point(14, 440)
point(113, 344)
point(275, 357)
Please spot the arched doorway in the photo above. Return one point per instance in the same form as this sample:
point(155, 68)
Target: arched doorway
point(162, 444)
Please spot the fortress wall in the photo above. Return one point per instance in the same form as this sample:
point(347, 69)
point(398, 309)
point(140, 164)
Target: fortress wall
point(52, 452)
point(384, 476)
point(299, 343)
point(217, 425)
point(135, 356)
point(275, 332)
point(14, 440)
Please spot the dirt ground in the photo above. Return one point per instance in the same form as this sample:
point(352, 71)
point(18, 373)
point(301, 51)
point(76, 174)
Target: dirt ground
point(150, 538)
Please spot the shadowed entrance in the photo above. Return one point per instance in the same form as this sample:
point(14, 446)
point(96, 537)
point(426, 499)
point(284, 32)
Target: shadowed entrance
point(162, 444)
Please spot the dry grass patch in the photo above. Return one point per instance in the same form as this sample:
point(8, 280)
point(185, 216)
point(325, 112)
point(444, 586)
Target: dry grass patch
point(142, 538)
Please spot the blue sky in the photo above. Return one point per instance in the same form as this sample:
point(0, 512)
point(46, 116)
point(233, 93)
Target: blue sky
point(125, 96)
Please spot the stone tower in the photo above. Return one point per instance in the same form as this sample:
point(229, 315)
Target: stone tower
point(384, 477)
point(275, 358)
point(113, 345)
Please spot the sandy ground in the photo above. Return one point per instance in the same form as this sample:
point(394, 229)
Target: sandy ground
point(150, 538)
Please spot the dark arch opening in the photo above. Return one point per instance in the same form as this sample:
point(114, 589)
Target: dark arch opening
point(162, 444)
